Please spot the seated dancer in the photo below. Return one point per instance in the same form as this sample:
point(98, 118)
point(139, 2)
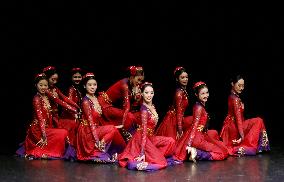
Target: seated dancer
point(145, 151)
point(175, 123)
point(57, 98)
point(116, 101)
point(242, 137)
point(43, 141)
point(96, 142)
point(199, 143)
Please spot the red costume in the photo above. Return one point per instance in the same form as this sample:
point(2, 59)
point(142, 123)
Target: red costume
point(208, 146)
point(90, 133)
point(115, 103)
point(252, 131)
point(174, 120)
point(57, 97)
point(42, 126)
point(144, 142)
point(75, 95)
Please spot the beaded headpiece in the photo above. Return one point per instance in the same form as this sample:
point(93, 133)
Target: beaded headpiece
point(48, 68)
point(76, 69)
point(197, 84)
point(177, 69)
point(88, 75)
point(39, 75)
point(135, 69)
point(146, 83)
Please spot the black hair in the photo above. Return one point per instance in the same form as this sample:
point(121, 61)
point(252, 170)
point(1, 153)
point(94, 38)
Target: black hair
point(50, 72)
point(234, 79)
point(77, 70)
point(146, 84)
point(40, 77)
point(135, 71)
point(178, 72)
point(87, 78)
point(199, 87)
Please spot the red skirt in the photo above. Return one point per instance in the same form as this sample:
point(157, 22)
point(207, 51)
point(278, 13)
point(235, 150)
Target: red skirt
point(156, 150)
point(255, 139)
point(169, 125)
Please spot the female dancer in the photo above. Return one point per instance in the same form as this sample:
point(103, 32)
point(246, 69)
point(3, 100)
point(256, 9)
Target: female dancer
point(95, 142)
point(42, 140)
point(145, 151)
point(58, 98)
point(242, 137)
point(116, 101)
point(175, 123)
point(199, 143)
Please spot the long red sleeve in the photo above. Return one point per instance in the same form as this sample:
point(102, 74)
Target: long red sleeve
point(72, 94)
point(179, 109)
point(238, 115)
point(38, 109)
point(60, 102)
point(67, 99)
point(87, 112)
point(197, 111)
point(144, 118)
point(126, 101)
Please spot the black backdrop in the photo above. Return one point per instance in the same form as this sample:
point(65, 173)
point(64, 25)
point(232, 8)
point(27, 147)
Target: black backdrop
point(211, 39)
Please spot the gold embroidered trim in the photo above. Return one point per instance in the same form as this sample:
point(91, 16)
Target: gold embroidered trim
point(84, 122)
point(200, 128)
point(150, 131)
point(106, 98)
point(264, 139)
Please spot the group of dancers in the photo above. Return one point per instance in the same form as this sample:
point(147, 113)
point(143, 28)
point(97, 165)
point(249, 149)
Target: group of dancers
point(120, 124)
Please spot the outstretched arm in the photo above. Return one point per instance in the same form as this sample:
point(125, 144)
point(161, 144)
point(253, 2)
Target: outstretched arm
point(68, 100)
point(60, 102)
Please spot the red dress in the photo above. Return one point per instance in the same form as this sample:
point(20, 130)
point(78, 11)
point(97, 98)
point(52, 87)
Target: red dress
point(207, 143)
point(58, 98)
point(252, 130)
point(155, 148)
point(90, 132)
point(75, 95)
point(174, 119)
point(116, 104)
point(42, 124)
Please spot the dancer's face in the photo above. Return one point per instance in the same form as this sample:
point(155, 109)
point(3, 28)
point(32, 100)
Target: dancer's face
point(203, 94)
point(91, 86)
point(148, 94)
point(53, 79)
point(77, 78)
point(239, 86)
point(183, 79)
point(42, 86)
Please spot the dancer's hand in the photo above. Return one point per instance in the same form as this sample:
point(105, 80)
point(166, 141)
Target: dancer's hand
point(140, 158)
point(235, 141)
point(188, 149)
point(42, 142)
point(119, 126)
point(101, 145)
point(179, 134)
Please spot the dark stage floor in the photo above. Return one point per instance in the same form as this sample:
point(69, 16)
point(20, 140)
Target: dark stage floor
point(263, 167)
